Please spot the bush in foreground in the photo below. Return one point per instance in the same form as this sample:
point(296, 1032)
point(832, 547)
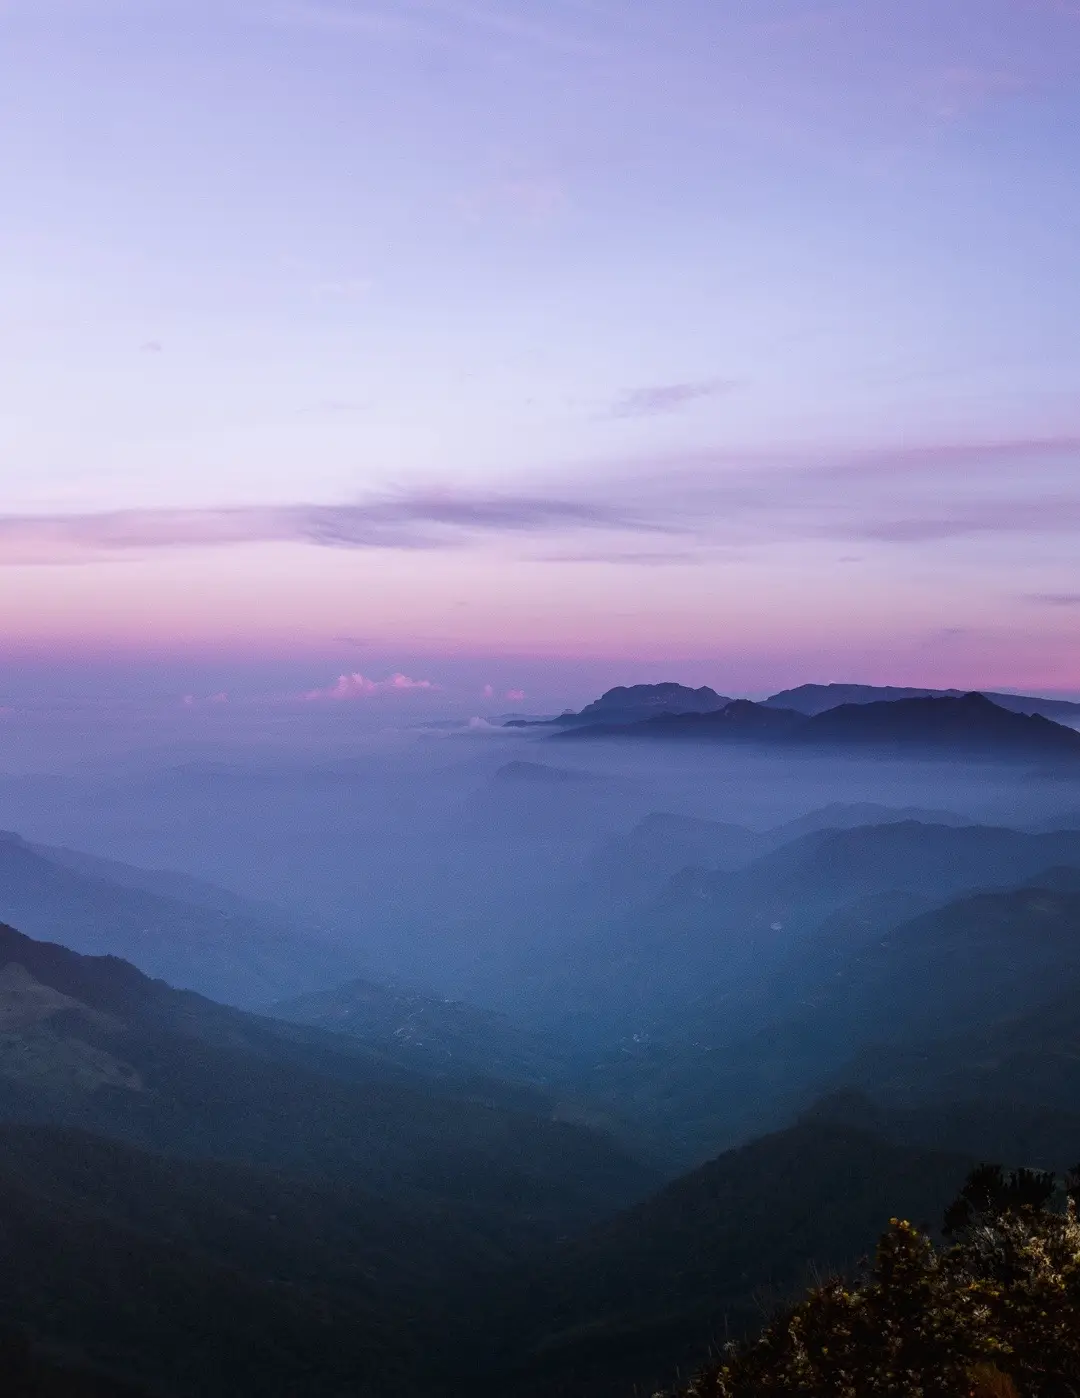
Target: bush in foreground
point(994, 1313)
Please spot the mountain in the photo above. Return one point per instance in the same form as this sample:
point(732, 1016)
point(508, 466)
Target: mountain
point(737, 721)
point(972, 962)
point(199, 1278)
point(836, 866)
point(439, 1037)
point(963, 969)
point(206, 940)
point(633, 703)
point(813, 699)
point(713, 929)
point(91, 1043)
point(623, 1308)
point(734, 995)
point(971, 724)
point(165, 883)
point(644, 700)
point(847, 815)
point(636, 866)
point(630, 867)
point(1020, 1056)
point(965, 727)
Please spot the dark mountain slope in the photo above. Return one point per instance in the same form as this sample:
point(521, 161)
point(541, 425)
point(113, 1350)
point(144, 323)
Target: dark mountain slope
point(816, 698)
point(959, 969)
point(632, 703)
point(738, 721)
point(441, 1038)
point(641, 700)
point(622, 1308)
point(205, 1279)
point(971, 962)
point(235, 952)
point(971, 724)
point(987, 1128)
point(968, 727)
point(741, 993)
point(628, 868)
point(835, 866)
point(641, 863)
point(91, 1043)
point(1028, 1057)
point(169, 883)
point(724, 931)
point(848, 815)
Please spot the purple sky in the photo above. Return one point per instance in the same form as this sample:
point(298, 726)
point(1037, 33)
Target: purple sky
point(538, 345)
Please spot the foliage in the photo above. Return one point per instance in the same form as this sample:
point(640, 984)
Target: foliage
point(995, 1314)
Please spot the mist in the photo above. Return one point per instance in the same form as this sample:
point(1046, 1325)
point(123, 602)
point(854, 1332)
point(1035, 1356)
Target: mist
point(458, 856)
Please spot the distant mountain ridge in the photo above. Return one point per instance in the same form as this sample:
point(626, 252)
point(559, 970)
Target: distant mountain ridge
point(668, 698)
point(699, 974)
point(632, 703)
point(446, 1038)
point(966, 726)
point(638, 702)
point(663, 844)
point(813, 699)
point(91, 1043)
point(190, 933)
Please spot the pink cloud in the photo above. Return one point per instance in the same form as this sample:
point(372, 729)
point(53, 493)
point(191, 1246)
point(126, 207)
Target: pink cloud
point(515, 694)
point(488, 691)
point(357, 686)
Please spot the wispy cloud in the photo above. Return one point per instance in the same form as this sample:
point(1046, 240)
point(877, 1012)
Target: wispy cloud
point(435, 520)
point(648, 512)
point(646, 558)
point(670, 397)
point(1055, 599)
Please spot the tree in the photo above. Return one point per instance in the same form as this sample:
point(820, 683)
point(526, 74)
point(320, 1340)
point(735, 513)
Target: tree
point(995, 1314)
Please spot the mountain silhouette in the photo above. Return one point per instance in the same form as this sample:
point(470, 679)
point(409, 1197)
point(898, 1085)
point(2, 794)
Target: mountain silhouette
point(179, 929)
point(633, 703)
point(659, 1285)
point(90, 1042)
point(813, 699)
point(970, 726)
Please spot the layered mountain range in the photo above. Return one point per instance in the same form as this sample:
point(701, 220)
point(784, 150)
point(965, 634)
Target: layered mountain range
point(733, 1050)
point(970, 725)
point(636, 703)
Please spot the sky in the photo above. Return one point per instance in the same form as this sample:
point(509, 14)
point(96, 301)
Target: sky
point(515, 349)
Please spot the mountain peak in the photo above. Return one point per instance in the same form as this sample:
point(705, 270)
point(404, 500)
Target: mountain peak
point(665, 697)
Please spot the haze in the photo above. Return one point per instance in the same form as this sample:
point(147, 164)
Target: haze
point(539, 698)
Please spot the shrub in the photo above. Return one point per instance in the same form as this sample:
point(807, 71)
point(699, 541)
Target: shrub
point(993, 1314)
